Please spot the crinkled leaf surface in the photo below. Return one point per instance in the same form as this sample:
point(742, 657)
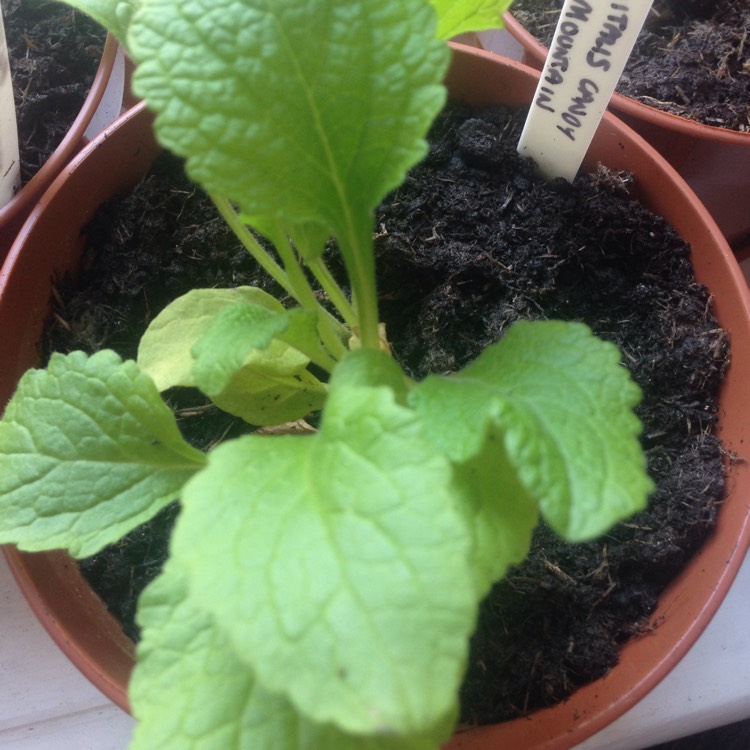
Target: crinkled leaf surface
point(250, 334)
point(242, 364)
point(458, 16)
point(564, 405)
point(342, 577)
point(240, 331)
point(190, 691)
point(346, 91)
point(88, 450)
point(165, 349)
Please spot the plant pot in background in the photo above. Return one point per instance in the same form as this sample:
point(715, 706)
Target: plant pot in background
point(714, 161)
point(15, 212)
point(50, 244)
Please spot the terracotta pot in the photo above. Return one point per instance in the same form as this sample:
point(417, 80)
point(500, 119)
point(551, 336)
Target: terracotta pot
point(478, 78)
point(714, 161)
point(15, 212)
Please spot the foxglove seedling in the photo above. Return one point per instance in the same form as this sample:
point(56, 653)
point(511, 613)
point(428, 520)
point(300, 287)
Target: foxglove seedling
point(321, 589)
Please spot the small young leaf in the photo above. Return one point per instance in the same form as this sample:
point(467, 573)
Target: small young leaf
point(564, 405)
point(88, 451)
point(343, 577)
point(244, 366)
point(456, 17)
point(190, 691)
point(164, 352)
point(208, 338)
point(276, 342)
point(240, 331)
point(301, 333)
point(264, 398)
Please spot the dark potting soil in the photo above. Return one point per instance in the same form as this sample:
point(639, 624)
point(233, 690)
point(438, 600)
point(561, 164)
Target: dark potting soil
point(471, 242)
point(691, 59)
point(54, 54)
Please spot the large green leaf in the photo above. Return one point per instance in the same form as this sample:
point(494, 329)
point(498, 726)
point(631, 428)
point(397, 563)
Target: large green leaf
point(88, 451)
point(190, 691)
point(297, 110)
point(563, 407)
point(342, 577)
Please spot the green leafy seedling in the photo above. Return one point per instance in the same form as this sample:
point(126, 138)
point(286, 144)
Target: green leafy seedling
point(321, 589)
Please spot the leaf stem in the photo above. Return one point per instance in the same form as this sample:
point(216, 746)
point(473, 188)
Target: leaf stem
point(333, 290)
point(359, 257)
point(330, 329)
point(291, 278)
point(272, 268)
point(303, 291)
point(320, 357)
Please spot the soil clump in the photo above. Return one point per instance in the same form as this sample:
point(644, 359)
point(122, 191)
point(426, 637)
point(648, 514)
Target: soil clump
point(470, 243)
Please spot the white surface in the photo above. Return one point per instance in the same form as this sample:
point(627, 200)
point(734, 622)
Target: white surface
point(502, 42)
point(46, 704)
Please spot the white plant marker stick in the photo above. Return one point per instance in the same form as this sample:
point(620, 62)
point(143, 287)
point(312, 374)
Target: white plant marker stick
point(592, 43)
point(10, 163)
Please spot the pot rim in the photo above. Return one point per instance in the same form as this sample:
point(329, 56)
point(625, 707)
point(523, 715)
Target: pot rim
point(542, 730)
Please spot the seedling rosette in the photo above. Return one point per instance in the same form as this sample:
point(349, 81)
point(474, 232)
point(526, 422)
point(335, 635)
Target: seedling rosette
point(321, 589)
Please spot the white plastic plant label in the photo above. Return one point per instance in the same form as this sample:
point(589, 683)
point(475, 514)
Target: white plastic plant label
point(10, 167)
point(592, 43)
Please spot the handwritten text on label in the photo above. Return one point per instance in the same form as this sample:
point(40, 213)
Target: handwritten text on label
point(591, 45)
point(597, 56)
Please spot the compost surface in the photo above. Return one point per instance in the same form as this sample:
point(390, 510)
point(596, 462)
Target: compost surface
point(471, 242)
